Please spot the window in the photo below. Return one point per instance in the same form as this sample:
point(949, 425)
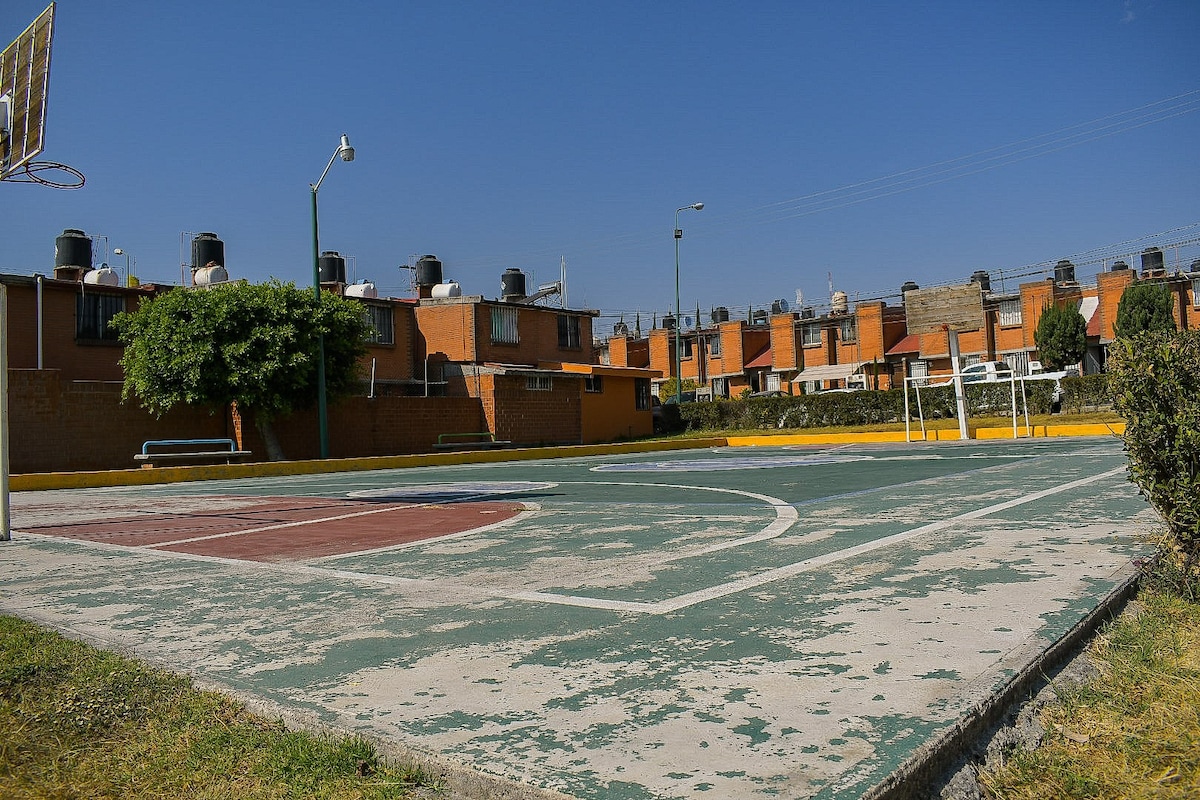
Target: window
point(1196, 291)
point(918, 369)
point(1018, 360)
point(687, 347)
point(568, 331)
point(720, 387)
point(641, 393)
point(593, 383)
point(849, 330)
point(381, 324)
point(714, 346)
point(1010, 312)
point(93, 312)
point(504, 326)
point(773, 383)
point(811, 335)
point(539, 383)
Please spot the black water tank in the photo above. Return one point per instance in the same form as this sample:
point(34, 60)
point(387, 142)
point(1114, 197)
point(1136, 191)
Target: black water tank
point(73, 249)
point(759, 317)
point(512, 285)
point(1120, 265)
point(720, 314)
point(331, 267)
point(1152, 260)
point(1064, 272)
point(908, 286)
point(669, 322)
point(984, 280)
point(207, 249)
point(429, 271)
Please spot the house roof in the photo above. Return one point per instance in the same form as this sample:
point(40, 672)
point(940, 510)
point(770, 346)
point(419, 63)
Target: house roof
point(909, 344)
point(828, 372)
point(763, 359)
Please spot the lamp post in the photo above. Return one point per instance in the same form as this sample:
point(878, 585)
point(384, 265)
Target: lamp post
point(346, 153)
point(119, 252)
point(678, 319)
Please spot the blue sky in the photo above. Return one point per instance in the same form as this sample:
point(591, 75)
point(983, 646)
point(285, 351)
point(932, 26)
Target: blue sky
point(860, 143)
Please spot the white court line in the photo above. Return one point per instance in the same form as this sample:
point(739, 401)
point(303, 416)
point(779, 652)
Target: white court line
point(790, 570)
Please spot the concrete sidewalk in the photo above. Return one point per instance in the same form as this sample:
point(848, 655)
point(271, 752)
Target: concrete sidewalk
point(729, 623)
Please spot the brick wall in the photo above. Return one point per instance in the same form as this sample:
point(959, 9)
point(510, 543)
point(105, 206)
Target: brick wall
point(58, 425)
point(785, 343)
point(519, 415)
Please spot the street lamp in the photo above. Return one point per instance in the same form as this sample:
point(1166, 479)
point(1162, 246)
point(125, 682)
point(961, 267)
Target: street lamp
point(119, 252)
point(346, 153)
point(678, 333)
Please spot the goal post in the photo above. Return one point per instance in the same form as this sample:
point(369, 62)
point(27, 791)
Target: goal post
point(5, 518)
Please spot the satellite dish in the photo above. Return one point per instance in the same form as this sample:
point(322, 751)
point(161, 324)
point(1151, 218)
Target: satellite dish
point(687, 321)
point(783, 306)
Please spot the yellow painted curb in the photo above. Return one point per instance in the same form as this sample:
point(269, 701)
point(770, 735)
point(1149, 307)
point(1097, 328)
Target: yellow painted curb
point(143, 477)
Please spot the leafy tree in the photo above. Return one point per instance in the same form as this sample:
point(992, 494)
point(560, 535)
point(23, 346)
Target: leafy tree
point(250, 344)
point(667, 390)
point(1061, 336)
point(1144, 306)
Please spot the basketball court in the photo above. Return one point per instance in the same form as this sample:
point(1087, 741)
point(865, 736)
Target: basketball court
point(729, 622)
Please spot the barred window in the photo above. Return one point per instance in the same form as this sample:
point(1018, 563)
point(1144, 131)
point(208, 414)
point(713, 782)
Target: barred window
point(381, 324)
point(714, 345)
point(504, 325)
point(1010, 312)
point(811, 335)
point(641, 393)
point(93, 312)
point(849, 332)
point(568, 331)
point(593, 383)
point(539, 383)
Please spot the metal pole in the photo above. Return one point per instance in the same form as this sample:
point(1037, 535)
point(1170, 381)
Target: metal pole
point(678, 342)
point(322, 411)
point(5, 527)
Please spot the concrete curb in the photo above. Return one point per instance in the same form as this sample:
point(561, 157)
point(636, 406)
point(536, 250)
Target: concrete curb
point(143, 477)
point(912, 780)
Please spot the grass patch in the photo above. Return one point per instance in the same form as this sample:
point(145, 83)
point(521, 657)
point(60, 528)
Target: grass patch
point(80, 722)
point(1132, 732)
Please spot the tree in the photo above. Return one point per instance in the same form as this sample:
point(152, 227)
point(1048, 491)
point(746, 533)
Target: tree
point(1061, 336)
point(1144, 306)
point(250, 344)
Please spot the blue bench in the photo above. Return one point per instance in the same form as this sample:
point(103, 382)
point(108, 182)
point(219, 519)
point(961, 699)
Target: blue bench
point(187, 452)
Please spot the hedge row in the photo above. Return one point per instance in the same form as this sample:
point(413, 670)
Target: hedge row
point(837, 409)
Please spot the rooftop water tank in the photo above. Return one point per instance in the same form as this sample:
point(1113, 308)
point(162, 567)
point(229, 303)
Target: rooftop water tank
point(984, 280)
point(512, 285)
point(720, 314)
point(207, 276)
point(1120, 265)
point(207, 250)
point(840, 303)
point(105, 276)
point(1152, 262)
point(73, 248)
point(365, 290)
point(669, 322)
point(1064, 272)
point(445, 290)
point(331, 267)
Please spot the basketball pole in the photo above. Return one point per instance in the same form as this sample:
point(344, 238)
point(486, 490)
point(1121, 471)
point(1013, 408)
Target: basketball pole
point(5, 519)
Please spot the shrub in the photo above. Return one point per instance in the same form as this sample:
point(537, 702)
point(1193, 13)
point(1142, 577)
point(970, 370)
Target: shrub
point(1155, 380)
point(1085, 393)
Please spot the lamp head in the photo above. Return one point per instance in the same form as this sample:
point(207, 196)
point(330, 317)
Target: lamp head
point(345, 150)
point(698, 206)
point(118, 252)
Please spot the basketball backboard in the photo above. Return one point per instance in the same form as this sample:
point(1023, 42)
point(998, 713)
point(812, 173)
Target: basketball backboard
point(24, 86)
point(955, 308)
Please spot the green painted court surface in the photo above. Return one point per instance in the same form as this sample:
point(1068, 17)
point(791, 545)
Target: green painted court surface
point(733, 623)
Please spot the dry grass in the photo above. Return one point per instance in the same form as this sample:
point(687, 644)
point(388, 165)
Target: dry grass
point(76, 722)
point(1134, 731)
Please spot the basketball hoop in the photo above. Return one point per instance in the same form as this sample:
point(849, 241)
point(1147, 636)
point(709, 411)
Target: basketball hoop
point(32, 172)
